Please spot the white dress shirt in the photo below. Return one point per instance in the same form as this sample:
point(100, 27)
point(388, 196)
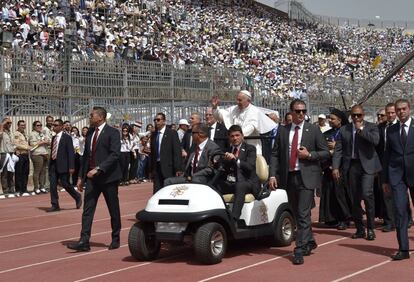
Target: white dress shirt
point(99, 132)
point(213, 131)
point(57, 140)
point(161, 135)
point(201, 148)
point(407, 126)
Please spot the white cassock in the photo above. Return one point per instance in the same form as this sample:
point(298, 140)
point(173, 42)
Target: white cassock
point(252, 120)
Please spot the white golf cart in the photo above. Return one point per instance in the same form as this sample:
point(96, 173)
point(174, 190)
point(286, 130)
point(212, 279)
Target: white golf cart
point(199, 212)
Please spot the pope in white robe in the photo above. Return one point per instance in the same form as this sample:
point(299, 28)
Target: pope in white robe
point(252, 120)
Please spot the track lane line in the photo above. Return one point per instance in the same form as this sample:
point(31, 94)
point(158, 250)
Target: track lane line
point(263, 262)
point(126, 268)
point(54, 242)
point(364, 270)
point(55, 260)
point(57, 227)
point(56, 214)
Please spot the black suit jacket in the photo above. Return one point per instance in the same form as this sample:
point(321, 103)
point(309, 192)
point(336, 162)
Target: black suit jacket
point(65, 158)
point(108, 151)
point(310, 169)
point(203, 171)
point(220, 136)
point(399, 160)
point(186, 143)
point(246, 170)
point(170, 153)
point(368, 140)
point(381, 143)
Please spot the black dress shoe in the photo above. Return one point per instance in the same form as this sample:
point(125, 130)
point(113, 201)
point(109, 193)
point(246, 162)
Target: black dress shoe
point(358, 235)
point(371, 235)
point(80, 246)
point(114, 245)
point(400, 255)
point(53, 209)
point(388, 228)
point(342, 226)
point(79, 203)
point(309, 247)
point(297, 260)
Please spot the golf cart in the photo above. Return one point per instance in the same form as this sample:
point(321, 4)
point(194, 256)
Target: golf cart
point(198, 212)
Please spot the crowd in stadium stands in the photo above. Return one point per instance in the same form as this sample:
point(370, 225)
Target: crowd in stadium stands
point(276, 54)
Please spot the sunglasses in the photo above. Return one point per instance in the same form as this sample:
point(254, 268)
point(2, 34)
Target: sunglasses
point(38, 125)
point(356, 115)
point(56, 124)
point(157, 119)
point(304, 111)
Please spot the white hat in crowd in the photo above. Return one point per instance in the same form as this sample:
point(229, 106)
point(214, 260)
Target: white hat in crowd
point(184, 122)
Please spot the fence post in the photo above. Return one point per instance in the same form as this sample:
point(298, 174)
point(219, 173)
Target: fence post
point(2, 87)
point(172, 96)
point(125, 85)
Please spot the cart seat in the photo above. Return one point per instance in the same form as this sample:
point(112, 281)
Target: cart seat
point(228, 198)
point(262, 171)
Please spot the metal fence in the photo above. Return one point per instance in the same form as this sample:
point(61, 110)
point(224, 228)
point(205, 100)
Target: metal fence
point(38, 84)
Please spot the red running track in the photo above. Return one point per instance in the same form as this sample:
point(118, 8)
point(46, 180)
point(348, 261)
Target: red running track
point(32, 248)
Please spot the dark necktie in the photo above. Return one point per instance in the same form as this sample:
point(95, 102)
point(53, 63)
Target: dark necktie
point(356, 143)
point(235, 151)
point(157, 145)
point(294, 149)
point(92, 163)
point(195, 161)
point(54, 148)
point(403, 135)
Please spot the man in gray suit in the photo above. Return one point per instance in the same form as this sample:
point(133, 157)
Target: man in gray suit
point(357, 158)
point(197, 167)
point(295, 166)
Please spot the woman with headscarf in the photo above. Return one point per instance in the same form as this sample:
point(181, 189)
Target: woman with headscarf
point(335, 202)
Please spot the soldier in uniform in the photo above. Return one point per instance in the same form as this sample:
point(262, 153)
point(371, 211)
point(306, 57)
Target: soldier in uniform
point(21, 169)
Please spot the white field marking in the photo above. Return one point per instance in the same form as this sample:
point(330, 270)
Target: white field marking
point(54, 260)
point(32, 217)
point(263, 262)
point(363, 270)
point(54, 242)
point(54, 214)
point(56, 227)
point(126, 268)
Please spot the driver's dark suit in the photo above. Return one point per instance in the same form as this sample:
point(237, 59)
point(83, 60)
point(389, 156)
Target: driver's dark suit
point(240, 176)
